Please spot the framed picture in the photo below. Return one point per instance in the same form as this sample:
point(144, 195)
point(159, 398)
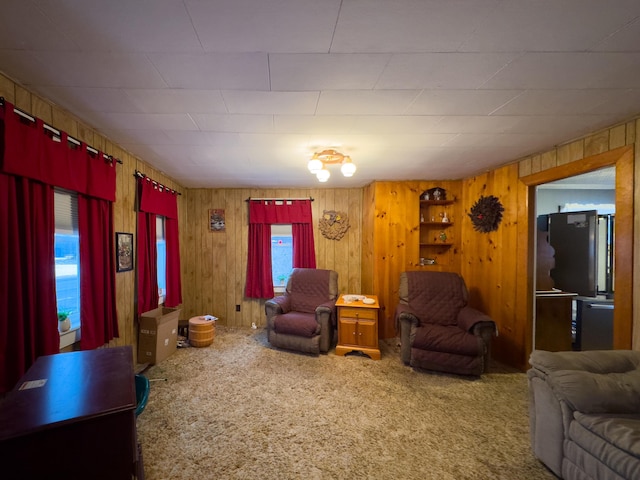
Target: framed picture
point(124, 252)
point(216, 220)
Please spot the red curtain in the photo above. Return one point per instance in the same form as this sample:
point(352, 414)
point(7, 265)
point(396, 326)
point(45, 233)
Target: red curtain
point(173, 297)
point(28, 313)
point(259, 281)
point(99, 321)
point(31, 164)
point(147, 263)
point(157, 200)
point(304, 253)
point(263, 214)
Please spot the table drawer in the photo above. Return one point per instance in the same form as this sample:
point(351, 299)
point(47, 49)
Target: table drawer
point(359, 313)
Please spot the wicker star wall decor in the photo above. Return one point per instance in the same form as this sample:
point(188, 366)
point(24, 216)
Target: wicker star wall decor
point(486, 214)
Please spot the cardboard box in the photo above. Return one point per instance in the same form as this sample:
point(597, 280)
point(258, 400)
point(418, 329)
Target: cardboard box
point(157, 334)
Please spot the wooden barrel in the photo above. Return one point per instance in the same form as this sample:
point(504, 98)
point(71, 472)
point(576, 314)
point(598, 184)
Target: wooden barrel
point(201, 331)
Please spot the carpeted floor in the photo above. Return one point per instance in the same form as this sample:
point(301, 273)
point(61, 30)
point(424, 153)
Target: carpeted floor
point(240, 409)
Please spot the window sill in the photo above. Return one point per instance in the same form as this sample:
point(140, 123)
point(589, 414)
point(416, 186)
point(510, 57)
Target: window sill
point(69, 337)
point(279, 289)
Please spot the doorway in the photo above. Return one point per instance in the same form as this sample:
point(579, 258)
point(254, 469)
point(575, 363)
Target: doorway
point(575, 219)
point(622, 159)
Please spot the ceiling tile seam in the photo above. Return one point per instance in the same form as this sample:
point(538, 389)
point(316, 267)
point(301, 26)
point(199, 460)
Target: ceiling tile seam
point(335, 27)
point(507, 103)
point(195, 30)
point(516, 57)
point(607, 37)
point(382, 70)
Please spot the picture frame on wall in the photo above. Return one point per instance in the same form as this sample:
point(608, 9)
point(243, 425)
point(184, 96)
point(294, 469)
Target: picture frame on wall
point(124, 252)
point(216, 220)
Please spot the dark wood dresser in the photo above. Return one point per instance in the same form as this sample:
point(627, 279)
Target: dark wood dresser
point(72, 416)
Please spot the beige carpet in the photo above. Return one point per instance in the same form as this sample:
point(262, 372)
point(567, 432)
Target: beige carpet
point(241, 409)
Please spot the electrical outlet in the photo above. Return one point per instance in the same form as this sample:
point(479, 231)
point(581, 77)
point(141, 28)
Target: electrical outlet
point(237, 308)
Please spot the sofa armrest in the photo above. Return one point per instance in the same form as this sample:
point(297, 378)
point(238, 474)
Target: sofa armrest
point(406, 313)
point(277, 306)
point(595, 361)
point(329, 310)
point(476, 322)
point(406, 321)
point(589, 392)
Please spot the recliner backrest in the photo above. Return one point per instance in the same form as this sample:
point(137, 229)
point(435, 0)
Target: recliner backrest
point(310, 287)
point(436, 297)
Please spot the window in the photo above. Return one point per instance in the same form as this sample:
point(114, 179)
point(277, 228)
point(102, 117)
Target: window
point(67, 259)
point(161, 248)
point(281, 255)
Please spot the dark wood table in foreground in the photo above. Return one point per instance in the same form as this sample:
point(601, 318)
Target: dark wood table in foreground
point(72, 416)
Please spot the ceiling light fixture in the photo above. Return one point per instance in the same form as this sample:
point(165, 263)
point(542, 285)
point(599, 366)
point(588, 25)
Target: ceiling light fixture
point(318, 164)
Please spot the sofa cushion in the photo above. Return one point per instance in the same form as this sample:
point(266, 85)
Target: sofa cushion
point(447, 338)
point(623, 431)
point(297, 323)
point(597, 392)
point(614, 440)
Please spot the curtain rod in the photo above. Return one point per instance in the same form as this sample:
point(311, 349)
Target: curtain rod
point(57, 133)
point(139, 174)
point(282, 199)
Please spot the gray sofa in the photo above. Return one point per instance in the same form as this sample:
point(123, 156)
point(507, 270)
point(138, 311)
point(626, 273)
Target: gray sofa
point(584, 413)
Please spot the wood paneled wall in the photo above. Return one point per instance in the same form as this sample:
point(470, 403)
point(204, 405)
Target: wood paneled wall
point(124, 207)
point(392, 232)
point(215, 263)
point(495, 264)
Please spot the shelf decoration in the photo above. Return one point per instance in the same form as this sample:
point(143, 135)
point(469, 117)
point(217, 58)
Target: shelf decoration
point(436, 193)
point(486, 214)
point(333, 225)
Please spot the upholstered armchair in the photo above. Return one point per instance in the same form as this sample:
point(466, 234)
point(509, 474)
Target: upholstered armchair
point(304, 318)
point(438, 330)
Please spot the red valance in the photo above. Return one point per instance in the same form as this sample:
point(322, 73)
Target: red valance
point(280, 211)
point(157, 200)
point(29, 151)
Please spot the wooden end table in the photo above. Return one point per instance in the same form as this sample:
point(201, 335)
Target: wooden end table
point(358, 326)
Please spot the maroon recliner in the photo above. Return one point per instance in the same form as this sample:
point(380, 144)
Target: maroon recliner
point(304, 318)
point(438, 330)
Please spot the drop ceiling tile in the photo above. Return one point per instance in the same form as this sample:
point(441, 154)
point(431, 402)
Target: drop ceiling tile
point(83, 99)
point(528, 141)
point(395, 124)
point(564, 70)
point(549, 25)
point(461, 102)
point(557, 102)
point(151, 121)
point(134, 27)
point(309, 124)
point(97, 70)
point(296, 72)
point(626, 39)
point(234, 123)
point(375, 25)
point(258, 26)
point(213, 71)
point(27, 28)
point(256, 102)
point(442, 70)
point(365, 102)
point(173, 100)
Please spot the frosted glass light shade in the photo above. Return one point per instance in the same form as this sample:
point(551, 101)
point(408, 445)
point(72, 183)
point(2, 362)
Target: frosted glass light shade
point(315, 165)
point(348, 167)
point(323, 175)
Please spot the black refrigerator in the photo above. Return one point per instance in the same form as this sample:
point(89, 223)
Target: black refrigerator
point(583, 244)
